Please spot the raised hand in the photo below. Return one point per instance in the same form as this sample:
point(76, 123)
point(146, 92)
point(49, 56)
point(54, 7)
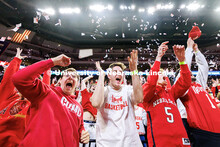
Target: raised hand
point(87, 78)
point(179, 51)
point(133, 60)
point(18, 54)
point(195, 47)
point(61, 60)
point(99, 68)
point(190, 43)
point(84, 137)
point(162, 50)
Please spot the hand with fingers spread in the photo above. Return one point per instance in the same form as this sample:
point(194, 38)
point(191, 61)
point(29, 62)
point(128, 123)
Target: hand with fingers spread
point(61, 60)
point(133, 60)
point(84, 137)
point(99, 68)
point(18, 54)
point(179, 51)
point(162, 50)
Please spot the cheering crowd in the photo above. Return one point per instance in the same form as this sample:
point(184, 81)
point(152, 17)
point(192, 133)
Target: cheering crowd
point(37, 112)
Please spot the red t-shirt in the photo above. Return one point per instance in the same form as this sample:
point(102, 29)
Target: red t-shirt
point(12, 127)
point(202, 111)
point(54, 118)
point(86, 103)
point(164, 124)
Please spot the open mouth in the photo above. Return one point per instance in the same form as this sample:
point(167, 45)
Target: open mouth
point(118, 79)
point(69, 85)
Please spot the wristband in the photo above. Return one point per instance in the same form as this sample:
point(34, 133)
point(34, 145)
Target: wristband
point(135, 72)
point(182, 63)
point(196, 51)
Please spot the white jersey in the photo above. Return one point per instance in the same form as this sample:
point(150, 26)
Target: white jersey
point(141, 119)
point(115, 126)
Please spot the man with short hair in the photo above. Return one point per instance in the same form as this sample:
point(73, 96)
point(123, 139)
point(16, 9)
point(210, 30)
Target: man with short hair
point(54, 118)
point(115, 124)
point(164, 125)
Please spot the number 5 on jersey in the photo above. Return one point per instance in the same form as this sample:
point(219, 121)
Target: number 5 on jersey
point(170, 115)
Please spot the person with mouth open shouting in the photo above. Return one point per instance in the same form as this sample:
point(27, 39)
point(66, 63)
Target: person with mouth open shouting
point(164, 124)
point(115, 125)
point(56, 118)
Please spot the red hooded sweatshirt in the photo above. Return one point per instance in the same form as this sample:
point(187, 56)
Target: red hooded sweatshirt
point(11, 126)
point(55, 119)
point(164, 124)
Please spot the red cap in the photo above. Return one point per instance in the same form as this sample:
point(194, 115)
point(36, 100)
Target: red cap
point(195, 33)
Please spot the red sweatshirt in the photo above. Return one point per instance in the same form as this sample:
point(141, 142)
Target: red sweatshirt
point(164, 125)
point(86, 103)
point(11, 126)
point(202, 111)
point(55, 119)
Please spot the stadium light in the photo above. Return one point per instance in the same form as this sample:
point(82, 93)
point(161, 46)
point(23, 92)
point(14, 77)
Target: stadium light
point(194, 6)
point(151, 10)
point(98, 8)
point(69, 10)
point(182, 6)
point(141, 10)
point(49, 11)
point(110, 7)
point(217, 9)
point(132, 7)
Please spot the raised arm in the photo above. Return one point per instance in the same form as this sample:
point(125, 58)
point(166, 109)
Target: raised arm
point(149, 87)
point(203, 67)
point(97, 98)
point(137, 95)
point(47, 76)
point(27, 82)
point(7, 88)
point(189, 52)
point(83, 83)
point(184, 81)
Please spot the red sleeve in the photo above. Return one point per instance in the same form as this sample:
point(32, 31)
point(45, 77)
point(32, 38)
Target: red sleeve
point(183, 83)
point(213, 90)
point(27, 82)
point(218, 87)
point(81, 128)
point(7, 88)
point(46, 77)
point(149, 87)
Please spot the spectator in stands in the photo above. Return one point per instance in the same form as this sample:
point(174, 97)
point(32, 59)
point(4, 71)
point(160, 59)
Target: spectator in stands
point(89, 112)
point(115, 124)
point(202, 111)
point(13, 108)
point(141, 123)
point(55, 119)
point(164, 124)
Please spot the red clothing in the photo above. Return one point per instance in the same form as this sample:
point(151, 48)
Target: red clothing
point(164, 125)
point(213, 89)
point(12, 127)
point(86, 103)
point(54, 118)
point(202, 111)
